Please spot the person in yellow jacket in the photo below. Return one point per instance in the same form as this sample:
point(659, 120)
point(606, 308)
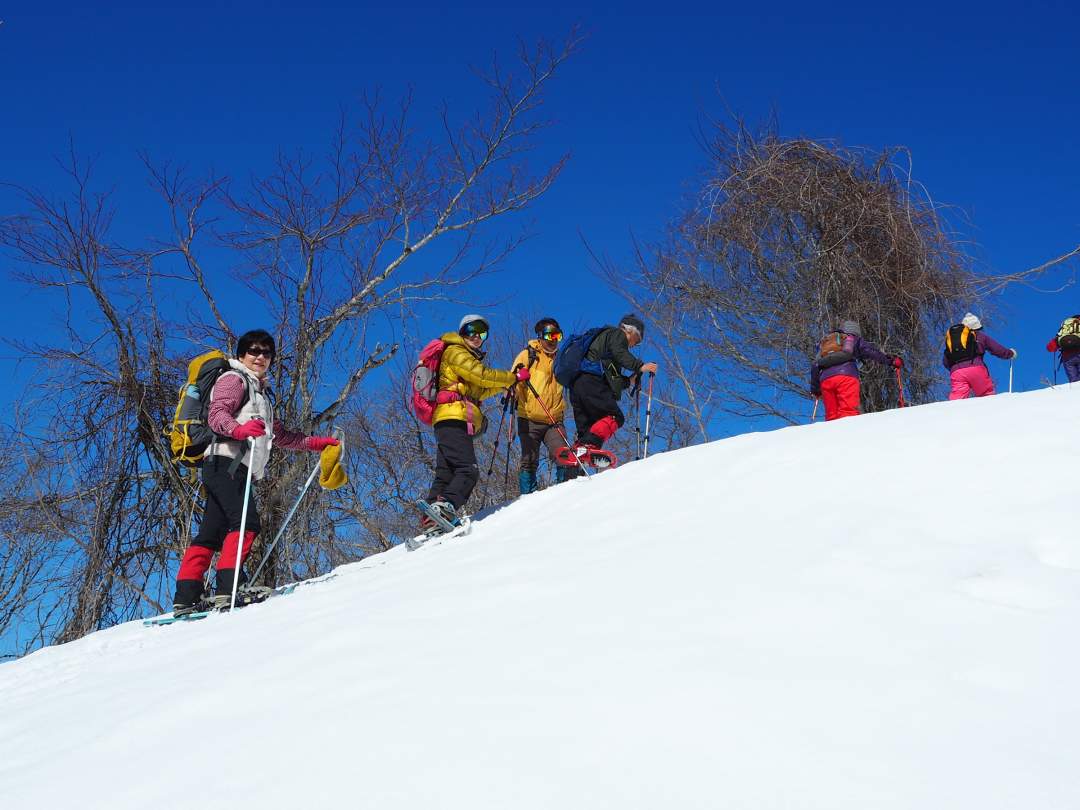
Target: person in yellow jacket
point(464, 381)
point(541, 423)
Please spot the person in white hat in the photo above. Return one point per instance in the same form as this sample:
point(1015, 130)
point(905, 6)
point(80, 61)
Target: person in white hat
point(966, 344)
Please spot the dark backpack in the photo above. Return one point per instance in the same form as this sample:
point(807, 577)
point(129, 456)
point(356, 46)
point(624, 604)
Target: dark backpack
point(960, 344)
point(835, 348)
point(570, 360)
point(189, 433)
point(1068, 336)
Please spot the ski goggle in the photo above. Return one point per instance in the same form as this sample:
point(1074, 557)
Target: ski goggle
point(554, 335)
point(476, 329)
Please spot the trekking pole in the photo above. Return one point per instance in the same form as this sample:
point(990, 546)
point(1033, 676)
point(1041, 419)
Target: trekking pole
point(1011, 361)
point(648, 413)
point(509, 445)
point(243, 525)
point(900, 386)
point(554, 424)
point(813, 414)
point(498, 433)
point(340, 436)
point(637, 420)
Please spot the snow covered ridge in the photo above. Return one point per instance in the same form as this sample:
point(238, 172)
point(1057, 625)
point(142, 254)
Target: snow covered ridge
point(880, 612)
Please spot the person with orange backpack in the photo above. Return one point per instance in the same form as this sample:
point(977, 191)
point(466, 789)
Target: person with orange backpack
point(965, 346)
point(834, 375)
point(462, 381)
point(1067, 341)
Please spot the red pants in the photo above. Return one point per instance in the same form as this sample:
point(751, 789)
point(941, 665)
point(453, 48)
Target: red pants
point(841, 396)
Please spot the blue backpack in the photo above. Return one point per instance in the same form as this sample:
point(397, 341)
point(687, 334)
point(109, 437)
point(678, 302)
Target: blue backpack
point(570, 359)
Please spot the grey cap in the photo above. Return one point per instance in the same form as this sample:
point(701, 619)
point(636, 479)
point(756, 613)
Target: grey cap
point(634, 322)
point(851, 328)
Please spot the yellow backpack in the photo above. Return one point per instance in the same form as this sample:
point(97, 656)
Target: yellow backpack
point(189, 434)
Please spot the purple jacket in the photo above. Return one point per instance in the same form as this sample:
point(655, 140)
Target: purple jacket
point(983, 344)
point(864, 350)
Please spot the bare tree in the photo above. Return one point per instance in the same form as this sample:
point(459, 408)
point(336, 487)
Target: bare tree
point(787, 238)
point(329, 247)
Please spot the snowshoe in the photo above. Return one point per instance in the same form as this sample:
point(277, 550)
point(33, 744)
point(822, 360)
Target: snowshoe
point(585, 454)
point(439, 519)
point(246, 595)
point(180, 609)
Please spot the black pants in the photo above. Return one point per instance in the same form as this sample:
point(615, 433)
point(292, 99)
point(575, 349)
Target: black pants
point(221, 515)
point(224, 503)
point(592, 399)
point(456, 471)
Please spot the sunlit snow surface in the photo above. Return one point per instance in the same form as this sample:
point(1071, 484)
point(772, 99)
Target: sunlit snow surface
point(882, 612)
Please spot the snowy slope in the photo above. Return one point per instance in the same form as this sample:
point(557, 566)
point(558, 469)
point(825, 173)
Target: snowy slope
point(881, 612)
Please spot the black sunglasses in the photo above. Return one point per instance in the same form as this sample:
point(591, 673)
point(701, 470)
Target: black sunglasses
point(258, 351)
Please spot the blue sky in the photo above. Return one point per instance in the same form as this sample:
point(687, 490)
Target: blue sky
point(987, 101)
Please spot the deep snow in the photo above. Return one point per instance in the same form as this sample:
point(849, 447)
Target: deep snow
point(880, 612)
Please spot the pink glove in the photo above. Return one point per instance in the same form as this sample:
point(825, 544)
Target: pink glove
point(250, 430)
point(317, 444)
point(522, 374)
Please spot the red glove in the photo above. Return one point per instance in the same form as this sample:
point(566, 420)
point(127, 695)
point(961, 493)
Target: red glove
point(250, 430)
point(319, 443)
point(1052, 345)
point(897, 362)
point(522, 374)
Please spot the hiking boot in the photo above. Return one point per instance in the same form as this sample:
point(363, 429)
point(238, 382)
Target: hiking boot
point(188, 598)
point(447, 511)
point(430, 527)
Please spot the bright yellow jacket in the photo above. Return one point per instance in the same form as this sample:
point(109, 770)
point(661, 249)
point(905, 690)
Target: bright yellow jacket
point(542, 377)
point(462, 373)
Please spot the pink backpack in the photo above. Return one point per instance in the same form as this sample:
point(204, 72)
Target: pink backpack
point(425, 381)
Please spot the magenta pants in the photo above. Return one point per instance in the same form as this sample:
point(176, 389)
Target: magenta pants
point(970, 380)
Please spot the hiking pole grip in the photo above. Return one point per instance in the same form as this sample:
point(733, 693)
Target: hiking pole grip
point(243, 525)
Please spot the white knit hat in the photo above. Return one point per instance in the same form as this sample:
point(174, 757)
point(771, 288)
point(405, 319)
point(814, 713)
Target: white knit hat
point(971, 322)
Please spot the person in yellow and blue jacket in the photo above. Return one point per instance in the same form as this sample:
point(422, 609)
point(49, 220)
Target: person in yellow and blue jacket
point(464, 381)
point(541, 422)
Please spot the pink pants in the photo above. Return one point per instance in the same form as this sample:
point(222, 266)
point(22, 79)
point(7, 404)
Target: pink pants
point(970, 380)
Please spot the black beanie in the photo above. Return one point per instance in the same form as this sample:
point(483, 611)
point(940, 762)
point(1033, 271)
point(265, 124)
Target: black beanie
point(540, 324)
point(634, 321)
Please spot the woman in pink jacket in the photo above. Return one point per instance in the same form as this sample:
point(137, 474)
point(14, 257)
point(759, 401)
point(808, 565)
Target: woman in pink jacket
point(239, 410)
point(964, 359)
